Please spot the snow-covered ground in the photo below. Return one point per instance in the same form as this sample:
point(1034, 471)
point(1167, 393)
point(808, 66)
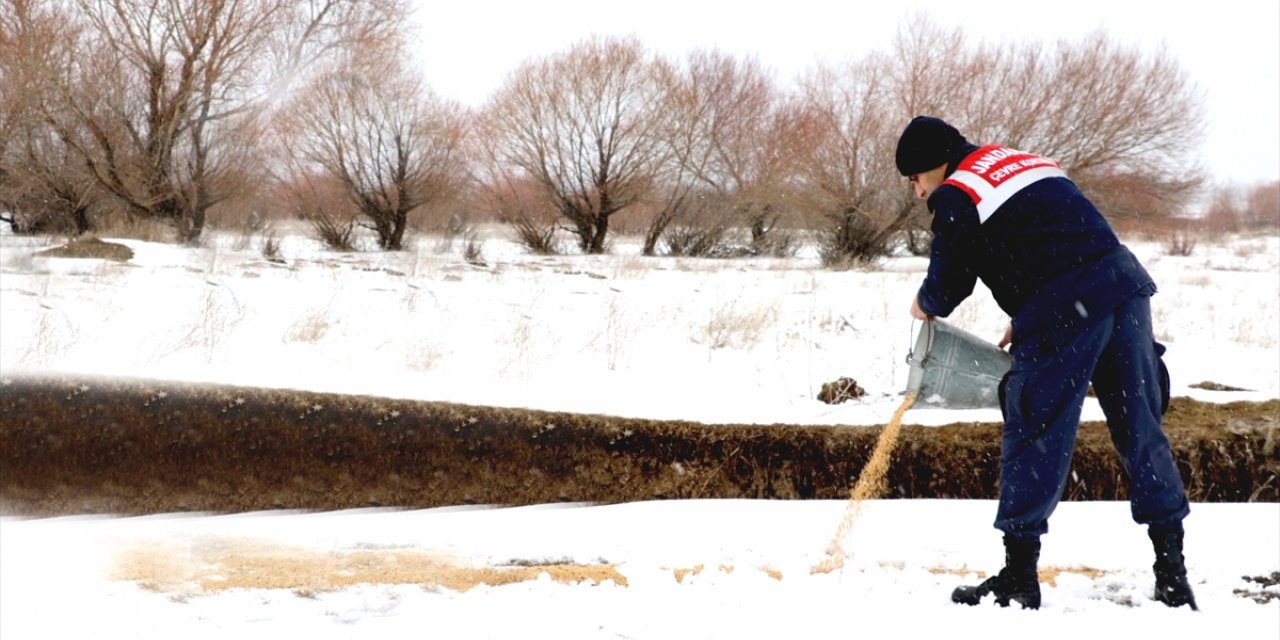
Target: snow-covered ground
point(742, 341)
point(754, 582)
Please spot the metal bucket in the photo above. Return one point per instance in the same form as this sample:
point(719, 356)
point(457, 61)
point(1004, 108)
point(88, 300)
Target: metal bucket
point(952, 368)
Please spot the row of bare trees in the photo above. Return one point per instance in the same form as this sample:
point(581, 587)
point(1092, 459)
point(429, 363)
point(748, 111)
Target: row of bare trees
point(713, 141)
point(1234, 208)
point(176, 110)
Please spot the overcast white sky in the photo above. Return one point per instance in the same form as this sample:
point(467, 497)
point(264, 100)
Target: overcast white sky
point(1231, 48)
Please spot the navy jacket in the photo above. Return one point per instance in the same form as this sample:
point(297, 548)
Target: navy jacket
point(1048, 256)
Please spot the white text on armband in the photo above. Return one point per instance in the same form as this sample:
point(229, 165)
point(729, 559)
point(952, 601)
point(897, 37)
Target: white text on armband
point(1008, 170)
point(988, 160)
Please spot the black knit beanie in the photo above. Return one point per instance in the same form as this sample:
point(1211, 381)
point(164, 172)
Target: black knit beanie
point(927, 143)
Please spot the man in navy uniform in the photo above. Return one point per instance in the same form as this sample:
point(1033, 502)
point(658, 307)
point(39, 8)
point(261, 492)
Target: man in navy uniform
point(1080, 307)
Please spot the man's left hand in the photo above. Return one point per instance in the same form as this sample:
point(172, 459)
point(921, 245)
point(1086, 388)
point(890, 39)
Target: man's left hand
point(1008, 336)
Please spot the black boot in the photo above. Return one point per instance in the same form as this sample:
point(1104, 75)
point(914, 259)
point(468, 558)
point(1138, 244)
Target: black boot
point(1172, 587)
point(1016, 582)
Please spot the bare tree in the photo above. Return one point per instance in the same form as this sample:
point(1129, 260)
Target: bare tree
point(13, 84)
point(1124, 124)
point(314, 34)
point(1115, 118)
point(931, 69)
point(845, 124)
point(700, 227)
point(844, 133)
point(674, 194)
point(43, 186)
point(1225, 210)
point(1262, 206)
point(584, 125)
point(510, 195)
point(521, 203)
point(728, 136)
point(375, 129)
point(148, 90)
point(156, 97)
point(1236, 207)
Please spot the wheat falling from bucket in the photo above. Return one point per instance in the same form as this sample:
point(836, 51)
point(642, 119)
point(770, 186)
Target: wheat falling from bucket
point(870, 485)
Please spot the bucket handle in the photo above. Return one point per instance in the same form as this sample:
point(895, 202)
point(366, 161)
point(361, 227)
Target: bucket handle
point(928, 347)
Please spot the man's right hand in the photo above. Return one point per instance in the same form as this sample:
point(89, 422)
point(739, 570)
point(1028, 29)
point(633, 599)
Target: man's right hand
point(916, 312)
point(1008, 336)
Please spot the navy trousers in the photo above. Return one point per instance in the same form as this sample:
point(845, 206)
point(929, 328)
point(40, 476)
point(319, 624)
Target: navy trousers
point(1042, 398)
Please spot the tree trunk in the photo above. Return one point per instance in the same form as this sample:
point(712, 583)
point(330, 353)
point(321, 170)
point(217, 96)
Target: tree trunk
point(195, 224)
point(396, 241)
point(601, 230)
point(80, 217)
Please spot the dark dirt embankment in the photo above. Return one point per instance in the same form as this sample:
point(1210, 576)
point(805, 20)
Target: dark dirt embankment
point(116, 446)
